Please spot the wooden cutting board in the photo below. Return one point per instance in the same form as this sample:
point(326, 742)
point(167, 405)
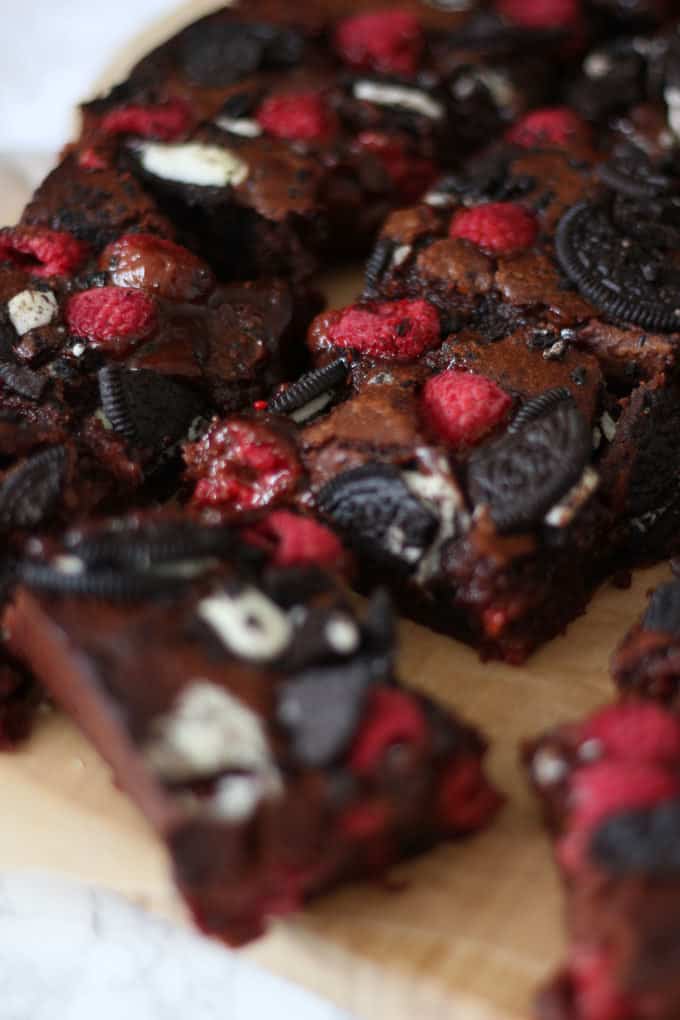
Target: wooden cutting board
point(473, 928)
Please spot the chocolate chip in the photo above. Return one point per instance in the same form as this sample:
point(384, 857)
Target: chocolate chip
point(625, 279)
point(663, 611)
point(378, 514)
point(30, 491)
point(22, 380)
point(640, 842)
point(309, 387)
point(149, 409)
point(527, 471)
point(321, 710)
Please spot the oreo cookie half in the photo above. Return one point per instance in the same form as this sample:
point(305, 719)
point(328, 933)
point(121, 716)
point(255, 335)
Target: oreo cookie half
point(525, 473)
point(149, 409)
point(312, 393)
point(377, 513)
point(663, 611)
point(31, 490)
point(625, 278)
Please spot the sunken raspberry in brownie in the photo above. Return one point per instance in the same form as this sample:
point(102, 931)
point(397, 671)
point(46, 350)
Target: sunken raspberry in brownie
point(296, 761)
point(610, 790)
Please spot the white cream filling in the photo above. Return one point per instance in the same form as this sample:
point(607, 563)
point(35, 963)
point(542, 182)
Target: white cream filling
point(314, 407)
point(397, 95)
point(242, 126)
point(209, 166)
point(248, 624)
point(438, 491)
point(672, 97)
point(400, 255)
point(342, 635)
point(549, 768)
point(564, 512)
point(31, 309)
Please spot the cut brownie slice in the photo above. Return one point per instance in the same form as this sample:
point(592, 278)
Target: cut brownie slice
point(647, 662)
point(610, 788)
point(247, 710)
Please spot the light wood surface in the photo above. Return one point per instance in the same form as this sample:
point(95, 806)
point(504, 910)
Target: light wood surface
point(474, 927)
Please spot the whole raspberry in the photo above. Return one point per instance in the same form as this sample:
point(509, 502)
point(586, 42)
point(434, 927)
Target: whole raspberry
point(501, 228)
point(40, 251)
point(397, 329)
point(297, 540)
point(541, 13)
point(297, 115)
point(166, 121)
point(113, 318)
point(392, 718)
point(555, 126)
point(465, 801)
point(462, 408)
point(606, 789)
point(639, 731)
point(411, 175)
point(388, 41)
point(149, 262)
point(242, 465)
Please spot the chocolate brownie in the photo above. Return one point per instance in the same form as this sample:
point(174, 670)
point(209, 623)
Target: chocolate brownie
point(610, 789)
point(262, 732)
point(647, 662)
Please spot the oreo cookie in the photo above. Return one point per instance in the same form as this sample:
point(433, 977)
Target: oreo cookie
point(321, 710)
point(22, 380)
point(152, 545)
point(640, 842)
point(663, 611)
point(537, 407)
point(312, 393)
point(378, 514)
point(378, 264)
point(62, 577)
point(632, 173)
point(627, 279)
point(525, 473)
point(148, 409)
point(29, 493)
point(217, 53)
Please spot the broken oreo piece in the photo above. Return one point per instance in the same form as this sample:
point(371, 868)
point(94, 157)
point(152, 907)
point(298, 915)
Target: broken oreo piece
point(31, 490)
point(216, 54)
point(149, 409)
point(377, 513)
point(625, 280)
point(106, 585)
point(378, 263)
point(663, 611)
point(525, 473)
point(632, 174)
point(538, 406)
point(22, 380)
point(640, 842)
point(157, 544)
point(312, 393)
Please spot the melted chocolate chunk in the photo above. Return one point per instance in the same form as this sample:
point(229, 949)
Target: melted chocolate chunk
point(527, 471)
point(378, 514)
point(149, 409)
point(215, 54)
point(663, 611)
point(642, 842)
point(30, 492)
point(626, 278)
point(312, 385)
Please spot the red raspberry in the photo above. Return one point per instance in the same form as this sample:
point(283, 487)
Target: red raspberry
point(541, 13)
point(462, 407)
point(92, 159)
point(597, 995)
point(609, 788)
point(149, 262)
point(298, 540)
point(465, 800)
point(556, 126)
point(387, 40)
point(115, 318)
point(637, 731)
point(411, 175)
point(165, 121)
point(392, 718)
point(297, 115)
point(501, 228)
point(397, 329)
point(365, 821)
point(241, 464)
point(40, 251)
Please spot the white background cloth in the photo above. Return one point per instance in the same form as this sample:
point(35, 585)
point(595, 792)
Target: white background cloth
point(68, 952)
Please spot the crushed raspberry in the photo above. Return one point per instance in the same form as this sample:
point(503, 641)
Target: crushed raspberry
point(606, 789)
point(501, 228)
point(40, 251)
point(462, 407)
point(640, 731)
point(392, 718)
point(387, 40)
point(116, 318)
point(553, 126)
point(465, 800)
point(149, 262)
point(92, 159)
point(411, 175)
point(297, 115)
point(241, 464)
point(166, 121)
point(397, 329)
point(298, 540)
point(541, 13)
point(592, 973)
point(365, 821)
